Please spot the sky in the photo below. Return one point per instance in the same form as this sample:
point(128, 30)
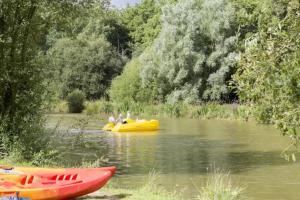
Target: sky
point(123, 3)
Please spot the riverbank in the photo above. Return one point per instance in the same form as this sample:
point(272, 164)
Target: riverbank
point(218, 186)
point(180, 110)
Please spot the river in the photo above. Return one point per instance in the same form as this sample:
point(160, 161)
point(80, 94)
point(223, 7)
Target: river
point(185, 151)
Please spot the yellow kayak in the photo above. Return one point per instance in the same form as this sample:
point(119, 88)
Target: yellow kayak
point(108, 126)
point(132, 125)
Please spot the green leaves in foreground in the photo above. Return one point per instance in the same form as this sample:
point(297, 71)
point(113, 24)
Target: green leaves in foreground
point(21, 78)
point(269, 74)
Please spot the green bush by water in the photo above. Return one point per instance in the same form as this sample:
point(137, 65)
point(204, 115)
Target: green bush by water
point(76, 101)
point(97, 107)
point(178, 110)
point(219, 187)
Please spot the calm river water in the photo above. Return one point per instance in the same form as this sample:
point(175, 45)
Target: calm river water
point(186, 151)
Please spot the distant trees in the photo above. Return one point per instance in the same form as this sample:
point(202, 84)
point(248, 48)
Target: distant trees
point(87, 63)
point(194, 56)
point(183, 51)
point(143, 22)
point(127, 88)
point(90, 57)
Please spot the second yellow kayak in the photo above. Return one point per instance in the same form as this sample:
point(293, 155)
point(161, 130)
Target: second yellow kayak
point(132, 125)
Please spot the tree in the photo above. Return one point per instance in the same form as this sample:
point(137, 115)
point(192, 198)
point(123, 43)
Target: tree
point(268, 73)
point(94, 17)
point(127, 87)
point(23, 24)
point(193, 57)
point(85, 63)
point(143, 22)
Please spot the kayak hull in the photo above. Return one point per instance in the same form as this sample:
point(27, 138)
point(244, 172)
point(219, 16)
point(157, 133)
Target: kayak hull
point(141, 125)
point(52, 184)
point(108, 127)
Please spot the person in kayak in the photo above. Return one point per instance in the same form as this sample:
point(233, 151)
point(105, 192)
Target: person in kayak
point(128, 115)
point(120, 118)
point(112, 119)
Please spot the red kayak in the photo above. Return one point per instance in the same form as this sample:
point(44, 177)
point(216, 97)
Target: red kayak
point(51, 184)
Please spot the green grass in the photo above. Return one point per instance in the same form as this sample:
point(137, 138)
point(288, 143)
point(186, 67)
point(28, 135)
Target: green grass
point(150, 191)
point(180, 110)
point(219, 187)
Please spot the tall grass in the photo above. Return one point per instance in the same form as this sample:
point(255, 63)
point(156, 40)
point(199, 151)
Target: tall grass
point(179, 110)
point(59, 107)
point(150, 191)
point(219, 187)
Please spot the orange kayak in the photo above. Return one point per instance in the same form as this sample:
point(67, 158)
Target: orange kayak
point(51, 184)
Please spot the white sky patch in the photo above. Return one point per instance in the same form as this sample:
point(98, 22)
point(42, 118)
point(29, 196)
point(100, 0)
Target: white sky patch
point(123, 3)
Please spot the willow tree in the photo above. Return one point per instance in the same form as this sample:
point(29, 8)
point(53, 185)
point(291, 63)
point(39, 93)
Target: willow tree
point(193, 57)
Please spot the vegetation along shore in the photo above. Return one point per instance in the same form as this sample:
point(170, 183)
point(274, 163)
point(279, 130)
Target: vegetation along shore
point(200, 59)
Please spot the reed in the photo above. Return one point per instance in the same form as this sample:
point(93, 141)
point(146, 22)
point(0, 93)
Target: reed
point(150, 190)
point(180, 110)
point(219, 187)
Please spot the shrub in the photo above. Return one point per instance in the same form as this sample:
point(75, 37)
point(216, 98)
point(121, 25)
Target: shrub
point(75, 101)
point(127, 88)
point(219, 187)
point(92, 107)
point(97, 107)
point(86, 63)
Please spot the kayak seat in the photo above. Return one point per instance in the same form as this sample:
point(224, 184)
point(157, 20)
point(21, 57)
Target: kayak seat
point(27, 179)
point(61, 179)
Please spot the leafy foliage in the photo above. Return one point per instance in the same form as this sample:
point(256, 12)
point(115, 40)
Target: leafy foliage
point(268, 74)
point(193, 57)
point(127, 87)
point(75, 101)
point(85, 64)
point(143, 22)
point(22, 26)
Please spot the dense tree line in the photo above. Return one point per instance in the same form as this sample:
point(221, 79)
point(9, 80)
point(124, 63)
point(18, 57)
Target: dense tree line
point(166, 51)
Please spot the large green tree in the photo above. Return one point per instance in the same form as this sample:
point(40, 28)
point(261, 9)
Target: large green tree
point(95, 18)
point(88, 63)
point(23, 25)
point(127, 88)
point(143, 22)
point(269, 74)
point(193, 57)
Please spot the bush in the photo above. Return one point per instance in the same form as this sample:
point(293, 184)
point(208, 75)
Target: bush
point(127, 88)
point(219, 187)
point(86, 63)
point(75, 101)
point(97, 107)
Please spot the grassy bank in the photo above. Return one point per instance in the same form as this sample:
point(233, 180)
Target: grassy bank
point(218, 187)
point(203, 111)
